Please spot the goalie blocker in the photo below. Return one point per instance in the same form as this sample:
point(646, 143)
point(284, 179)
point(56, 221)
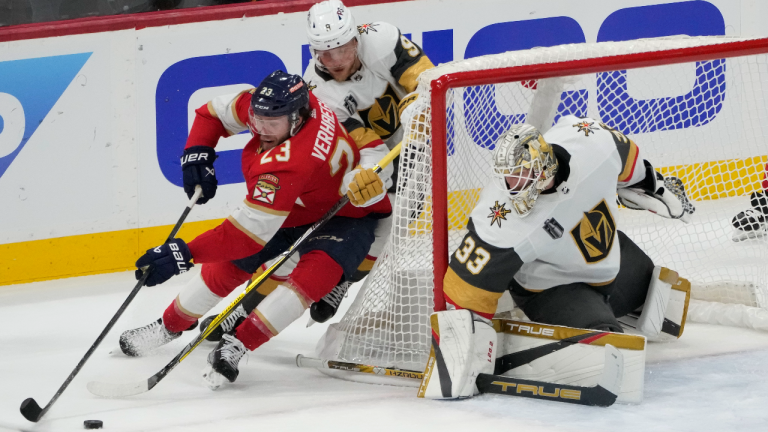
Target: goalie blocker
point(467, 352)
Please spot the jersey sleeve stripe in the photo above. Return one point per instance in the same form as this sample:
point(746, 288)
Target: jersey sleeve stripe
point(352, 124)
point(251, 235)
point(363, 137)
point(629, 159)
point(469, 296)
point(233, 106)
point(211, 110)
point(266, 209)
point(260, 224)
point(409, 78)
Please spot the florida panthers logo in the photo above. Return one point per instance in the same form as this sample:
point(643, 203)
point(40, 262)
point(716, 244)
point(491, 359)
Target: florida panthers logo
point(266, 188)
point(595, 232)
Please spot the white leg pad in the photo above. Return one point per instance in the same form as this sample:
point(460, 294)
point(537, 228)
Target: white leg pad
point(195, 299)
point(665, 308)
point(567, 355)
point(461, 349)
point(280, 308)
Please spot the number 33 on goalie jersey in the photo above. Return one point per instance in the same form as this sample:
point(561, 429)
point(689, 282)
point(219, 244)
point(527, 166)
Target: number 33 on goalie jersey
point(569, 236)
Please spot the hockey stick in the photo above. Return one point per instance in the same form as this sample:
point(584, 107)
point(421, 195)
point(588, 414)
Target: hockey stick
point(603, 394)
point(30, 409)
point(130, 389)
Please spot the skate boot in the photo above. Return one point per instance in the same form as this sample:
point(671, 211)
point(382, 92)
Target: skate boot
point(753, 222)
point(326, 308)
point(223, 361)
point(142, 340)
point(234, 319)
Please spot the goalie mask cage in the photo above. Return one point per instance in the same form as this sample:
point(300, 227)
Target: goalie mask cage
point(696, 107)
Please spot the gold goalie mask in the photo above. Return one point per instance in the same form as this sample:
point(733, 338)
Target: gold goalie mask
point(523, 165)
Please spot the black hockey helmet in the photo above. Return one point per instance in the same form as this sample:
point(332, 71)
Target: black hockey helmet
point(282, 94)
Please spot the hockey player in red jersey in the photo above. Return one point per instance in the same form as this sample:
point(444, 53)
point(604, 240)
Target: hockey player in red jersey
point(294, 168)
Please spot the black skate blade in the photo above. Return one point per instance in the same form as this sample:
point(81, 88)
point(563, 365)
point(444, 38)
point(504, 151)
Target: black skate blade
point(31, 410)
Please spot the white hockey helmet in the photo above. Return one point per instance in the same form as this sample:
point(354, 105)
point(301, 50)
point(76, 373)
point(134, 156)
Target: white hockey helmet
point(523, 165)
point(330, 25)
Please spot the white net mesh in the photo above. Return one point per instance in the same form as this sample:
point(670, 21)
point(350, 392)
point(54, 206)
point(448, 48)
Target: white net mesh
point(704, 122)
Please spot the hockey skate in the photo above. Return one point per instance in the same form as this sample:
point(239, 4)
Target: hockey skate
point(751, 223)
point(223, 361)
point(234, 319)
point(140, 341)
point(326, 308)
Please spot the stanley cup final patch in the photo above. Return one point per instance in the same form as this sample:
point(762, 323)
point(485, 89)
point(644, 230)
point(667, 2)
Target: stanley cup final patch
point(553, 228)
point(266, 188)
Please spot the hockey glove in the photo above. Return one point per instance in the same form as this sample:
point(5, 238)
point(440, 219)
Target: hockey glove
point(197, 169)
point(363, 187)
point(662, 196)
point(413, 116)
point(165, 261)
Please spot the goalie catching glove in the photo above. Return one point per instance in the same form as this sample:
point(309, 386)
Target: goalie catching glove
point(164, 262)
point(662, 196)
point(363, 187)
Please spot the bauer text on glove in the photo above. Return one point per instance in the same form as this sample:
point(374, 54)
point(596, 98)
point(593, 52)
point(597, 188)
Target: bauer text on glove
point(197, 169)
point(164, 262)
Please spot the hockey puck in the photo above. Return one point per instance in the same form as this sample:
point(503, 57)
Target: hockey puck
point(93, 424)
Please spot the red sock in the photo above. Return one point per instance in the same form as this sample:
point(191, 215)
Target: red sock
point(175, 320)
point(253, 333)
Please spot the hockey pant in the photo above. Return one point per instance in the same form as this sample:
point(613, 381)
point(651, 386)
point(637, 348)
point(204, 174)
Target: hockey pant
point(331, 254)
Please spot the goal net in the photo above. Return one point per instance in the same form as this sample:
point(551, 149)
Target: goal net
point(696, 107)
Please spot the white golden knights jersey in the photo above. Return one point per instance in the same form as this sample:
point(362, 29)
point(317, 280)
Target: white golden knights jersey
point(367, 103)
point(570, 234)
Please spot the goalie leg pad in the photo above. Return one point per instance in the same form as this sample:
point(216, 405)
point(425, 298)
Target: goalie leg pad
point(567, 355)
point(462, 348)
point(665, 307)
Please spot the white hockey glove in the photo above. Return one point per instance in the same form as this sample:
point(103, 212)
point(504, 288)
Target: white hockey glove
point(363, 187)
point(463, 346)
point(662, 196)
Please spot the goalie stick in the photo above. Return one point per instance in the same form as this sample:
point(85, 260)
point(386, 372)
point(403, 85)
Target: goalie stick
point(30, 409)
point(603, 394)
point(112, 390)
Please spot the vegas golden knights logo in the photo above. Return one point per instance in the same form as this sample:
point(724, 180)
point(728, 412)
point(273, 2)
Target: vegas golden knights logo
point(595, 232)
point(383, 116)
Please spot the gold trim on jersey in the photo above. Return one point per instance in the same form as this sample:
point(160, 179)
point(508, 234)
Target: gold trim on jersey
point(599, 284)
point(469, 296)
point(684, 285)
point(363, 136)
point(409, 78)
point(234, 108)
point(266, 209)
point(252, 236)
point(544, 331)
point(212, 111)
point(626, 173)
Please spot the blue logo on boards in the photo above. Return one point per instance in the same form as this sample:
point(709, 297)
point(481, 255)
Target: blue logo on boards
point(695, 108)
point(28, 90)
point(174, 89)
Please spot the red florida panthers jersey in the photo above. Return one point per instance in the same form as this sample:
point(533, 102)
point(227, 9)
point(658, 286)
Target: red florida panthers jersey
point(293, 184)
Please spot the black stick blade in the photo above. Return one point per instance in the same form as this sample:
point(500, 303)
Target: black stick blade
point(31, 410)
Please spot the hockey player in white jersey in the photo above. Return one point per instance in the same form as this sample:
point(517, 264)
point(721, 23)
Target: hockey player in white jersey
point(363, 73)
point(545, 230)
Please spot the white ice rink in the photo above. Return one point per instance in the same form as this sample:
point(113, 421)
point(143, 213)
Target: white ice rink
point(713, 379)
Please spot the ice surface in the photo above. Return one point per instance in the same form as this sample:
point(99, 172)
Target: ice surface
point(713, 379)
